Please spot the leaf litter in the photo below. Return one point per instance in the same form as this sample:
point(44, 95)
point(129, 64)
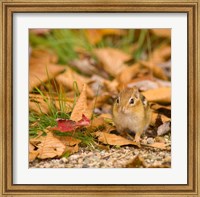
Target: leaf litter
point(91, 81)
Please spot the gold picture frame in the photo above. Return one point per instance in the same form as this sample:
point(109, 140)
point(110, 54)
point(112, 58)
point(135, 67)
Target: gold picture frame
point(9, 7)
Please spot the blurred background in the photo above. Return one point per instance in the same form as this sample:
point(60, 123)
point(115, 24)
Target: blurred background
point(107, 60)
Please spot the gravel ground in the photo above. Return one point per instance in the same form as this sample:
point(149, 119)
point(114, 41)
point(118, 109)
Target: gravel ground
point(122, 157)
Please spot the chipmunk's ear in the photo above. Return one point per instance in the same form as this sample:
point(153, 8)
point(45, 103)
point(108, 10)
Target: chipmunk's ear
point(136, 93)
point(144, 100)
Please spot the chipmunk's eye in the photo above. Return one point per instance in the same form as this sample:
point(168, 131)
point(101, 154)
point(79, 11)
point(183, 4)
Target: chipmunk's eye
point(117, 100)
point(131, 101)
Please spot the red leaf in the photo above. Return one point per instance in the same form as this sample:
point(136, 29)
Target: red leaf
point(84, 121)
point(65, 125)
point(70, 125)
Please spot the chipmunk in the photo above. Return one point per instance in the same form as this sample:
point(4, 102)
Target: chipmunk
point(131, 113)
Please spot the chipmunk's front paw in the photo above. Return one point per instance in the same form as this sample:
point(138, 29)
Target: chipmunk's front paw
point(137, 138)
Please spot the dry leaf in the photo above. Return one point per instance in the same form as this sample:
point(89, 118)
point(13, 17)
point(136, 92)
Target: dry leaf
point(81, 107)
point(160, 95)
point(68, 78)
point(162, 32)
point(161, 54)
point(96, 35)
point(101, 100)
point(40, 56)
point(99, 121)
point(165, 118)
point(38, 106)
point(153, 118)
point(156, 106)
point(39, 73)
point(32, 153)
point(112, 60)
point(157, 71)
point(111, 86)
point(70, 143)
point(40, 103)
point(132, 72)
point(162, 117)
point(50, 147)
point(144, 85)
point(86, 66)
point(158, 145)
point(113, 139)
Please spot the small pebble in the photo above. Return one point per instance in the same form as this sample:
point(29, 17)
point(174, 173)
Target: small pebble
point(150, 140)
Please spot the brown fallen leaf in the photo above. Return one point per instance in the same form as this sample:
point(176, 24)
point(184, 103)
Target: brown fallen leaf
point(40, 103)
point(113, 60)
point(157, 71)
point(38, 106)
point(162, 32)
point(81, 107)
point(41, 56)
point(113, 139)
point(144, 85)
point(96, 35)
point(161, 54)
point(111, 86)
point(100, 100)
point(68, 78)
point(164, 110)
point(39, 73)
point(162, 118)
point(85, 65)
point(99, 121)
point(50, 147)
point(158, 145)
point(132, 72)
point(70, 143)
point(165, 118)
point(160, 95)
point(32, 153)
point(156, 106)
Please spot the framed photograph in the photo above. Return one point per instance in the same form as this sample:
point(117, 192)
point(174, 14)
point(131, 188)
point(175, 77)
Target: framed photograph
point(99, 98)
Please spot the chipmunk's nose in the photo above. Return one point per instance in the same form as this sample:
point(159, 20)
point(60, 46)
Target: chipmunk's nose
point(123, 109)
